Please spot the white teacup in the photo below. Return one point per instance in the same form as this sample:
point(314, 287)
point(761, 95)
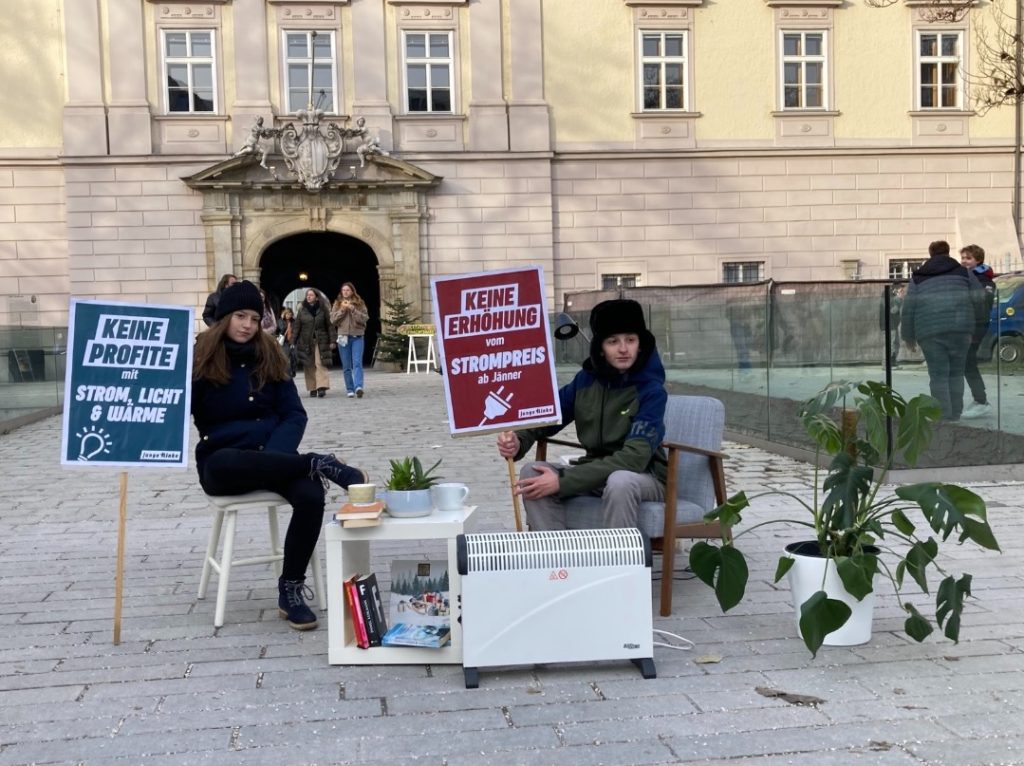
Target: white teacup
point(449, 496)
point(362, 493)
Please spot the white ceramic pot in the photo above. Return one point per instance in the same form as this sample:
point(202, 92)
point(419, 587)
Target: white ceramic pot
point(805, 579)
point(409, 503)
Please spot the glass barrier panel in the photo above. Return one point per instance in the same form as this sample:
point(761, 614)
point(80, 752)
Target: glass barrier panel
point(31, 370)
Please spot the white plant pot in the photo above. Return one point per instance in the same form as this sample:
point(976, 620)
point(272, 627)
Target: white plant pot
point(408, 504)
point(805, 579)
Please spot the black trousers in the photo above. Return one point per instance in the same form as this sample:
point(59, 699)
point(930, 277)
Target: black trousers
point(236, 471)
point(973, 374)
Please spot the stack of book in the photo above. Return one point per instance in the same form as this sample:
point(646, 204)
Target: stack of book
point(360, 514)
point(369, 623)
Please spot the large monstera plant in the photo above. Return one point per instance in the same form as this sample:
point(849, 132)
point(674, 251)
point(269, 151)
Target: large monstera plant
point(855, 521)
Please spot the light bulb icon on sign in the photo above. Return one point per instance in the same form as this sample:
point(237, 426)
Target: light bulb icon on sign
point(93, 442)
point(495, 406)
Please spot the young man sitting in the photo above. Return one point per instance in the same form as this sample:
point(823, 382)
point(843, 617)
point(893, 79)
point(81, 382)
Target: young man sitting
point(617, 401)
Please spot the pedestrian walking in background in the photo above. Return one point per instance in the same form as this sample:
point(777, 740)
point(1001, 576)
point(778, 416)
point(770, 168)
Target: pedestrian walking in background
point(314, 341)
point(286, 337)
point(896, 293)
point(250, 421)
point(349, 317)
point(972, 258)
point(939, 313)
point(213, 298)
point(268, 322)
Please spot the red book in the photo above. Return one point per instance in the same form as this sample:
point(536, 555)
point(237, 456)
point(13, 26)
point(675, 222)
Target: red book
point(358, 626)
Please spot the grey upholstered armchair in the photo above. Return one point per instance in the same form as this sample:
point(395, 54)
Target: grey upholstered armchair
point(695, 485)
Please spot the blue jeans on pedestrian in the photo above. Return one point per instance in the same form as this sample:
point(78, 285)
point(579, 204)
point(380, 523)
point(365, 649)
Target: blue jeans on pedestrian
point(946, 358)
point(352, 362)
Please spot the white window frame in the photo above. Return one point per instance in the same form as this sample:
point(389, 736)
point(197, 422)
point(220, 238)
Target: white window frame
point(636, 278)
point(428, 61)
point(938, 61)
point(189, 61)
point(903, 268)
point(307, 61)
point(661, 60)
point(744, 266)
point(802, 60)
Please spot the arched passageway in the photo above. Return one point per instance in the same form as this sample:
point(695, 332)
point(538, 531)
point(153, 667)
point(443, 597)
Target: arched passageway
point(324, 260)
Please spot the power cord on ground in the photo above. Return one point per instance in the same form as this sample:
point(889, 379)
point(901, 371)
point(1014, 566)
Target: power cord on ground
point(685, 645)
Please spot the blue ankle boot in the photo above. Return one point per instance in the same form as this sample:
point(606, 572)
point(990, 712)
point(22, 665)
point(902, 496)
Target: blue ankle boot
point(291, 604)
point(329, 468)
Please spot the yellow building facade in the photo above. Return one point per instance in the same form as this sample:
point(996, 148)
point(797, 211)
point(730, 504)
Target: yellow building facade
point(613, 142)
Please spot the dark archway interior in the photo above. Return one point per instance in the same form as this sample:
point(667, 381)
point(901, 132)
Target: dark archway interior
point(328, 260)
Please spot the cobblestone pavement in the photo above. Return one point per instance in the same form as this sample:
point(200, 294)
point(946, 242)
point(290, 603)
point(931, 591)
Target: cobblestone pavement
point(177, 691)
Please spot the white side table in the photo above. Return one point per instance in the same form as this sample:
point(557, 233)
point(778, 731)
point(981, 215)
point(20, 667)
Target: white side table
point(348, 553)
point(413, 360)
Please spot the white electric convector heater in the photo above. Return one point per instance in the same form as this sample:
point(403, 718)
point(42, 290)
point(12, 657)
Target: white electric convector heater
point(562, 596)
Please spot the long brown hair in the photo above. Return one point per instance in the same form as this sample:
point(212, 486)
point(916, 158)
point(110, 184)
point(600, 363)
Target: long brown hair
point(210, 358)
point(356, 299)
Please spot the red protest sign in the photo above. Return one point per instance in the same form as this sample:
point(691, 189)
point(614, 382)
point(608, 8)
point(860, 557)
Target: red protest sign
point(495, 349)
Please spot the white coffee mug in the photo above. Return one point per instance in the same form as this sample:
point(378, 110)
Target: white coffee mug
point(449, 497)
point(361, 493)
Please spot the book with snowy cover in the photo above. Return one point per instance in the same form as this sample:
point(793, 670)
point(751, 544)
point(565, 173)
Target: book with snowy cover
point(419, 599)
point(403, 634)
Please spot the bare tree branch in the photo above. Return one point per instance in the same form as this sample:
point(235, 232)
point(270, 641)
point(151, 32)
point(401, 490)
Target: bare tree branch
point(936, 11)
point(995, 80)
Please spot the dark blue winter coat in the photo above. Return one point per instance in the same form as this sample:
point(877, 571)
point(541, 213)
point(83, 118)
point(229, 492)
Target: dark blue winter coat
point(943, 299)
point(271, 419)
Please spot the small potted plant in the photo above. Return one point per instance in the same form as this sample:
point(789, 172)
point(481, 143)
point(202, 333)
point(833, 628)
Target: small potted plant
point(408, 487)
point(856, 529)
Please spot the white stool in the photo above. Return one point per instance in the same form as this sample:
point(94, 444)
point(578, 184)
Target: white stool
point(413, 361)
point(227, 508)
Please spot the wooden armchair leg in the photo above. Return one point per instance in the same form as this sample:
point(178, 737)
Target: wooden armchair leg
point(668, 557)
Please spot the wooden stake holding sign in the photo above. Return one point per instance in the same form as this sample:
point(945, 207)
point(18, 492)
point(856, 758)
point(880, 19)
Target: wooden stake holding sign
point(122, 518)
point(494, 345)
point(129, 373)
point(515, 496)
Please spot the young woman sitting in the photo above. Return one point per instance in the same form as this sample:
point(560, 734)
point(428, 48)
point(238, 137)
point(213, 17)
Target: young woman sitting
point(250, 421)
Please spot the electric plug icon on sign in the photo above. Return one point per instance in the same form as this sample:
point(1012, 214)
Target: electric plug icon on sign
point(495, 406)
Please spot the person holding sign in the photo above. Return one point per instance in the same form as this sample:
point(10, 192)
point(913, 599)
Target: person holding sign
point(617, 402)
point(250, 421)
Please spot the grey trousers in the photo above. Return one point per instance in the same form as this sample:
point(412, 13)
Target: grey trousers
point(620, 500)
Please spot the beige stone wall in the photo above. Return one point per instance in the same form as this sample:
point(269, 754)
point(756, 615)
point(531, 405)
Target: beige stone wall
point(34, 251)
point(135, 234)
point(32, 63)
point(677, 220)
point(489, 215)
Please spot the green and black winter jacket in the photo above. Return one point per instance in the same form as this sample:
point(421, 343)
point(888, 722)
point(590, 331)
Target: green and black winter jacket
point(620, 421)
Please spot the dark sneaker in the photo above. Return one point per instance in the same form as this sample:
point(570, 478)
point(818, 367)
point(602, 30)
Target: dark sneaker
point(359, 392)
point(329, 468)
point(313, 393)
point(291, 604)
point(321, 392)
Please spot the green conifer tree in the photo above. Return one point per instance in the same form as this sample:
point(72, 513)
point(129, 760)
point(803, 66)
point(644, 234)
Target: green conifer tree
point(392, 345)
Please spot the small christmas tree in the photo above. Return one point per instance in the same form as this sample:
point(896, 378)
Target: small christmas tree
point(392, 345)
